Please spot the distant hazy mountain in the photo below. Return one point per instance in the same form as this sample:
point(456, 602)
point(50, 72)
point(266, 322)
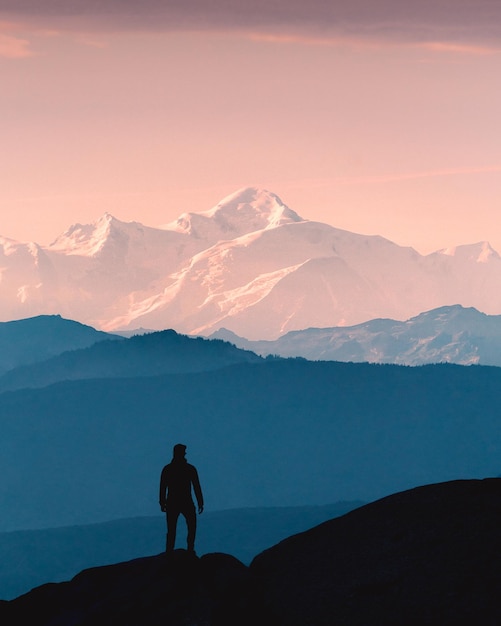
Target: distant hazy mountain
point(38, 338)
point(250, 264)
point(33, 557)
point(142, 355)
point(277, 433)
point(450, 334)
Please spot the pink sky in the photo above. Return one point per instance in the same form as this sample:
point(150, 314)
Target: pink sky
point(379, 117)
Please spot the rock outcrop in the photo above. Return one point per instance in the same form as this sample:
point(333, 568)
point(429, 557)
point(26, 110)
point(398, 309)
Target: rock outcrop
point(425, 556)
point(176, 589)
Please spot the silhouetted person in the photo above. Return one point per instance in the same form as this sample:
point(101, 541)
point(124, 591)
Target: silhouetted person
point(177, 479)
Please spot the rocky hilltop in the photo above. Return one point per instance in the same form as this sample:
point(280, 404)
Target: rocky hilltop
point(424, 556)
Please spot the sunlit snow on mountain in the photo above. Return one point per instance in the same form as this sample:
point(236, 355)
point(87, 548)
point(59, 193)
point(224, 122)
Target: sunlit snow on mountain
point(250, 264)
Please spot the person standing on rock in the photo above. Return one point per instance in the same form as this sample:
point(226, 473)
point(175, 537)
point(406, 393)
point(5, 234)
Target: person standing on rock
point(176, 483)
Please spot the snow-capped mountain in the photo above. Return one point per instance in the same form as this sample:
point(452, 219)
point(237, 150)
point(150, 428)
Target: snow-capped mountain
point(449, 334)
point(250, 264)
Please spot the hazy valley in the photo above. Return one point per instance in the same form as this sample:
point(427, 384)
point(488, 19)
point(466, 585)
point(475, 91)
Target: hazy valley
point(33, 557)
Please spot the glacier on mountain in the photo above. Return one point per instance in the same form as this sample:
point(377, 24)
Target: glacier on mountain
point(249, 264)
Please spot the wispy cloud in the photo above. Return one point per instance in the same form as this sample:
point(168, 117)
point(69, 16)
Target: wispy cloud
point(397, 177)
point(380, 179)
point(465, 23)
point(333, 41)
point(441, 46)
point(12, 46)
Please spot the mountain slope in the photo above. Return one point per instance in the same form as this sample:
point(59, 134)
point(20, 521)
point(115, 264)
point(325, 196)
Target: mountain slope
point(425, 556)
point(448, 334)
point(250, 264)
point(278, 433)
point(36, 339)
point(296, 275)
point(141, 355)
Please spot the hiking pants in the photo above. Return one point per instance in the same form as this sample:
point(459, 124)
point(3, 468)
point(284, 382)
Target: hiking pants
point(174, 510)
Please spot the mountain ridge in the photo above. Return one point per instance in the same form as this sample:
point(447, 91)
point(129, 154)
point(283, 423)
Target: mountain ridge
point(250, 264)
point(278, 433)
point(151, 354)
point(449, 334)
point(27, 341)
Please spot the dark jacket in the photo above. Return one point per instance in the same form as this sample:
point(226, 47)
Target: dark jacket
point(177, 479)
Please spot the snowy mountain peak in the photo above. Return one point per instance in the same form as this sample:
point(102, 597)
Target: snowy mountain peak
point(245, 211)
point(481, 252)
point(250, 264)
point(8, 246)
point(258, 208)
point(87, 239)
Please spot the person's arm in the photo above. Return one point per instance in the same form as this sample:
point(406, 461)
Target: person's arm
point(198, 491)
point(163, 488)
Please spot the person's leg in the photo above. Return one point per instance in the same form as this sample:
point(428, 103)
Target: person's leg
point(171, 515)
point(190, 514)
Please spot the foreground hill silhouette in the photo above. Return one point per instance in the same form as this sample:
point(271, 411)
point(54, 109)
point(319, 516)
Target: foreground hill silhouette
point(29, 558)
point(425, 556)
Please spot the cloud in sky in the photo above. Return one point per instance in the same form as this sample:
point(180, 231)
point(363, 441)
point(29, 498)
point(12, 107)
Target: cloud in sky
point(450, 171)
point(11, 46)
point(14, 47)
point(476, 22)
point(374, 115)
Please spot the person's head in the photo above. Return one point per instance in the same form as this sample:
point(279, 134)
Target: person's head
point(179, 452)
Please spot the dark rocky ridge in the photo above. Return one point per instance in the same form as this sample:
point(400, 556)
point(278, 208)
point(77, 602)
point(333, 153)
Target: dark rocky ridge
point(425, 556)
point(180, 589)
